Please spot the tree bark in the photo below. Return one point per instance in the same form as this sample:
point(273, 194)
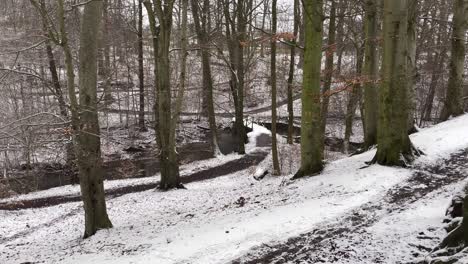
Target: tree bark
point(340, 47)
point(141, 71)
point(274, 141)
point(203, 40)
point(453, 104)
point(236, 26)
point(311, 132)
point(106, 50)
point(155, 31)
point(88, 139)
point(353, 102)
point(331, 45)
point(183, 68)
point(412, 63)
point(370, 75)
point(291, 72)
point(394, 146)
point(241, 15)
point(170, 177)
point(70, 155)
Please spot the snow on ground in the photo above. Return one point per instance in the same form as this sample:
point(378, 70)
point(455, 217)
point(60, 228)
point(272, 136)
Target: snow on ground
point(218, 220)
point(402, 236)
point(417, 226)
point(186, 169)
point(441, 140)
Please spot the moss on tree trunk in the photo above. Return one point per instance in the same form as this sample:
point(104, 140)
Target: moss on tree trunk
point(453, 104)
point(370, 72)
point(394, 146)
point(311, 133)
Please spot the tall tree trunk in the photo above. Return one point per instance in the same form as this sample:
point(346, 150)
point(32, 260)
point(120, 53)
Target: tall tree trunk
point(435, 62)
point(394, 145)
point(274, 141)
point(265, 14)
point(291, 72)
point(155, 31)
point(340, 47)
point(370, 75)
point(170, 177)
point(183, 68)
point(106, 49)
point(234, 25)
point(453, 104)
point(203, 40)
point(141, 71)
point(331, 45)
point(88, 139)
point(311, 132)
point(70, 155)
point(353, 102)
point(241, 14)
point(439, 63)
point(412, 63)
point(55, 80)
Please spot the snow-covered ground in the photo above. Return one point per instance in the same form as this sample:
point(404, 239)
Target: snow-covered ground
point(114, 184)
point(218, 220)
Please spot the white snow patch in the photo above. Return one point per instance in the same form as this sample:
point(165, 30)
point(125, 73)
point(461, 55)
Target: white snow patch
point(218, 220)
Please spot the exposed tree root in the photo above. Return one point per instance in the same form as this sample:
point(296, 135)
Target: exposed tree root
point(405, 160)
point(301, 174)
point(453, 239)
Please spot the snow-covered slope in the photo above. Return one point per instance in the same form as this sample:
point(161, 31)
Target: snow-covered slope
point(218, 220)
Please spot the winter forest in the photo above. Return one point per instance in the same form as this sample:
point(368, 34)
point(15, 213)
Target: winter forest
point(233, 131)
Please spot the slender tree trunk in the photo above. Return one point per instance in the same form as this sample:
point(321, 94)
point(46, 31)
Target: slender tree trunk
point(435, 62)
point(411, 64)
point(291, 72)
point(141, 71)
point(241, 42)
point(353, 102)
point(370, 75)
point(311, 132)
point(394, 145)
point(106, 49)
point(88, 139)
point(235, 43)
point(274, 141)
point(265, 14)
point(183, 69)
point(453, 104)
point(328, 66)
point(302, 34)
point(74, 108)
point(343, 5)
point(170, 177)
point(435, 77)
point(155, 31)
point(55, 80)
point(70, 155)
point(203, 40)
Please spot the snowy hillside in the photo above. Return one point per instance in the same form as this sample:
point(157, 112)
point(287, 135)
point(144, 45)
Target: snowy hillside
point(236, 218)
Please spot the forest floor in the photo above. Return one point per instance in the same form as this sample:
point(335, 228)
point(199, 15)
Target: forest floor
point(351, 213)
point(357, 236)
point(229, 167)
